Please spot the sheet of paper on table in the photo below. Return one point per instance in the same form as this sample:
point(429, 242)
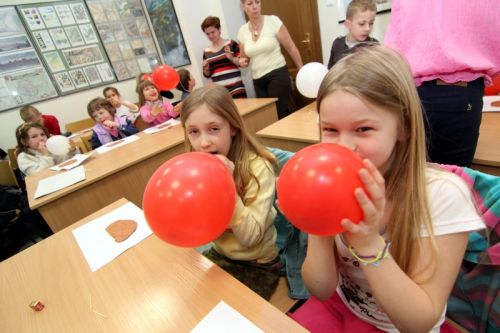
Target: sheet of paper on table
point(487, 103)
point(163, 126)
point(115, 144)
point(57, 182)
point(76, 161)
point(224, 319)
point(98, 247)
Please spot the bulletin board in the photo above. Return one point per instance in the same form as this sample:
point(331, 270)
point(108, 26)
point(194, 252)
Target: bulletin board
point(66, 38)
point(23, 78)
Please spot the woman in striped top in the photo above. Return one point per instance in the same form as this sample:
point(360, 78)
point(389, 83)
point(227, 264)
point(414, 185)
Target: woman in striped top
point(221, 59)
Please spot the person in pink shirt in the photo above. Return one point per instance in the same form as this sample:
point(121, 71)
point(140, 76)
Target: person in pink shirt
point(154, 108)
point(453, 48)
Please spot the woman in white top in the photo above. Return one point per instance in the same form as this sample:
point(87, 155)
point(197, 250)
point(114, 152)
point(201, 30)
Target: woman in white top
point(260, 39)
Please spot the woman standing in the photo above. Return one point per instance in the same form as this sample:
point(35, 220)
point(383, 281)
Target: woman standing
point(221, 59)
point(260, 40)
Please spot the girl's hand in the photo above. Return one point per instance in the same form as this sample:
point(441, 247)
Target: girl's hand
point(110, 124)
point(227, 162)
point(156, 110)
point(72, 145)
point(42, 147)
point(178, 107)
point(364, 237)
point(244, 61)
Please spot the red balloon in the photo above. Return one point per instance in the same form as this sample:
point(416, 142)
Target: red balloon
point(494, 89)
point(316, 188)
point(165, 77)
point(146, 76)
point(190, 199)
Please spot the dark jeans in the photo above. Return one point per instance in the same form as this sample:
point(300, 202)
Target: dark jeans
point(275, 84)
point(453, 115)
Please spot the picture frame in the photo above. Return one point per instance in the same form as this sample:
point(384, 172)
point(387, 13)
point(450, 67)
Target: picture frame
point(383, 6)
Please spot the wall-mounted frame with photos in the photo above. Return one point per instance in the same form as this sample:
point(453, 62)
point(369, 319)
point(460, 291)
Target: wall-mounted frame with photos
point(126, 36)
point(68, 43)
point(23, 78)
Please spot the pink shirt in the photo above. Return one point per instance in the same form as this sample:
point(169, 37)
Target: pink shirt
point(451, 40)
point(167, 113)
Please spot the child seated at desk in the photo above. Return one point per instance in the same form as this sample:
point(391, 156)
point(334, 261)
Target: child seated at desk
point(154, 108)
point(32, 153)
point(109, 127)
point(247, 249)
point(123, 108)
point(30, 114)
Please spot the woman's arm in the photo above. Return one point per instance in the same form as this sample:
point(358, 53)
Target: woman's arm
point(286, 40)
point(244, 61)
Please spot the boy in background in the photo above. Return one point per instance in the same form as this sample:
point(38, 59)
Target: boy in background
point(30, 114)
point(360, 17)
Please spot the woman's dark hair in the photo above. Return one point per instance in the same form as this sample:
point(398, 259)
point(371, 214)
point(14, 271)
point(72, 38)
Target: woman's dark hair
point(184, 75)
point(210, 21)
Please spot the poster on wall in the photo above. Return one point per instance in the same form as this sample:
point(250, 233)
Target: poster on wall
point(23, 78)
point(168, 32)
point(66, 39)
point(126, 35)
point(382, 6)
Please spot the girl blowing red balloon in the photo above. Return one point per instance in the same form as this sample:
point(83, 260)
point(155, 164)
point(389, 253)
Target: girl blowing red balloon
point(247, 249)
point(368, 103)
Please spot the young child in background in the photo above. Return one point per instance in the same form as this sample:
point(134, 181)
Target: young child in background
point(186, 83)
point(247, 249)
point(30, 114)
point(32, 153)
point(147, 76)
point(359, 20)
point(109, 127)
point(123, 108)
point(154, 108)
point(368, 102)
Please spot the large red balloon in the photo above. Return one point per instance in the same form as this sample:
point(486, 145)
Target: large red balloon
point(165, 77)
point(316, 188)
point(190, 199)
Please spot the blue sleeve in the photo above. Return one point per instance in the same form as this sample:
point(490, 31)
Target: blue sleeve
point(95, 141)
point(128, 128)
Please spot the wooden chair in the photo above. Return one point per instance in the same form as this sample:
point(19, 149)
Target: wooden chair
point(140, 124)
point(79, 125)
point(12, 158)
point(7, 176)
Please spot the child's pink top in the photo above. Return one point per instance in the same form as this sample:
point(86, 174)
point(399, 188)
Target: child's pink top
point(451, 40)
point(167, 113)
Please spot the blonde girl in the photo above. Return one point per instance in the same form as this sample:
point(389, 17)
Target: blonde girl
point(247, 249)
point(394, 271)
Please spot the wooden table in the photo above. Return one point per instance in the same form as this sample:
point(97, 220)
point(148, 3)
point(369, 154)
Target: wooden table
point(125, 171)
point(301, 129)
point(152, 287)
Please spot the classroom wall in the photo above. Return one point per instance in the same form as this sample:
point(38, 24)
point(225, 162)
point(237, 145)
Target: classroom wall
point(73, 107)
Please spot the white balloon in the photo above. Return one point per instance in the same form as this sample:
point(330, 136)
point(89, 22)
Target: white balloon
point(58, 145)
point(309, 78)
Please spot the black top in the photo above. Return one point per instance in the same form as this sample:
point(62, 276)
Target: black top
point(340, 49)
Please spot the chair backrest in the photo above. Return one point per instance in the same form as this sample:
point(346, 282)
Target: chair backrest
point(7, 176)
point(140, 124)
point(13, 158)
point(79, 125)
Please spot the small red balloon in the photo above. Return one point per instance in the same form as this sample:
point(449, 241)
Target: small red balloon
point(190, 199)
point(494, 89)
point(316, 186)
point(165, 77)
point(146, 76)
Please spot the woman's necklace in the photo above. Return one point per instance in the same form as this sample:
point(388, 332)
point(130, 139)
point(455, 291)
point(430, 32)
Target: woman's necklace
point(255, 28)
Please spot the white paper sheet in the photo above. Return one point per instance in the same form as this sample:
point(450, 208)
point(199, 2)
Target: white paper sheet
point(78, 159)
point(487, 100)
point(59, 181)
point(115, 144)
point(224, 318)
point(98, 247)
point(163, 126)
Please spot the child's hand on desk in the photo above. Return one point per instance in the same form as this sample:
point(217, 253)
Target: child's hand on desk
point(365, 236)
point(228, 163)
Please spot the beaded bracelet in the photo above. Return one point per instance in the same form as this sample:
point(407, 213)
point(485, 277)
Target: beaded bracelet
point(372, 260)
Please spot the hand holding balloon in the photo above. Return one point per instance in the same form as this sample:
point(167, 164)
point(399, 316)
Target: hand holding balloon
point(58, 145)
point(316, 188)
point(190, 199)
point(309, 78)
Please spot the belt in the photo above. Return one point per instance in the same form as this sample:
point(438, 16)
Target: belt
point(440, 82)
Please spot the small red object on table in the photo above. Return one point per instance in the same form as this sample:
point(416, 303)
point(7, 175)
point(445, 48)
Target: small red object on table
point(37, 305)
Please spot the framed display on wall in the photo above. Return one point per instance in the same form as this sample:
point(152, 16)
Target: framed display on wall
point(168, 32)
point(126, 36)
point(23, 78)
point(67, 41)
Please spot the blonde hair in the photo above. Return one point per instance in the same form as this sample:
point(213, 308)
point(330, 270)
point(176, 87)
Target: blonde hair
point(28, 112)
point(382, 77)
point(217, 99)
point(359, 6)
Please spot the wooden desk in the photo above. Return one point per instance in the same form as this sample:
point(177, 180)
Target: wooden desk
point(125, 171)
point(301, 129)
point(152, 287)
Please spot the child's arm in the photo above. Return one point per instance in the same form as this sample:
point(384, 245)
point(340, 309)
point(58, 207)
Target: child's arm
point(128, 128)
point(94, 141)
point(30, 164)
point(167, 106)
point(250, 222)
point(131, 106)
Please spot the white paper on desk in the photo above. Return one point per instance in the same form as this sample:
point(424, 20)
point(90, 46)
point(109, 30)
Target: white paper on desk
point(115, 144)
point(98, 247)
point(78, 159)
point(487, 100)
point(224, 318)
point(163, 126)
point(59, 181)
